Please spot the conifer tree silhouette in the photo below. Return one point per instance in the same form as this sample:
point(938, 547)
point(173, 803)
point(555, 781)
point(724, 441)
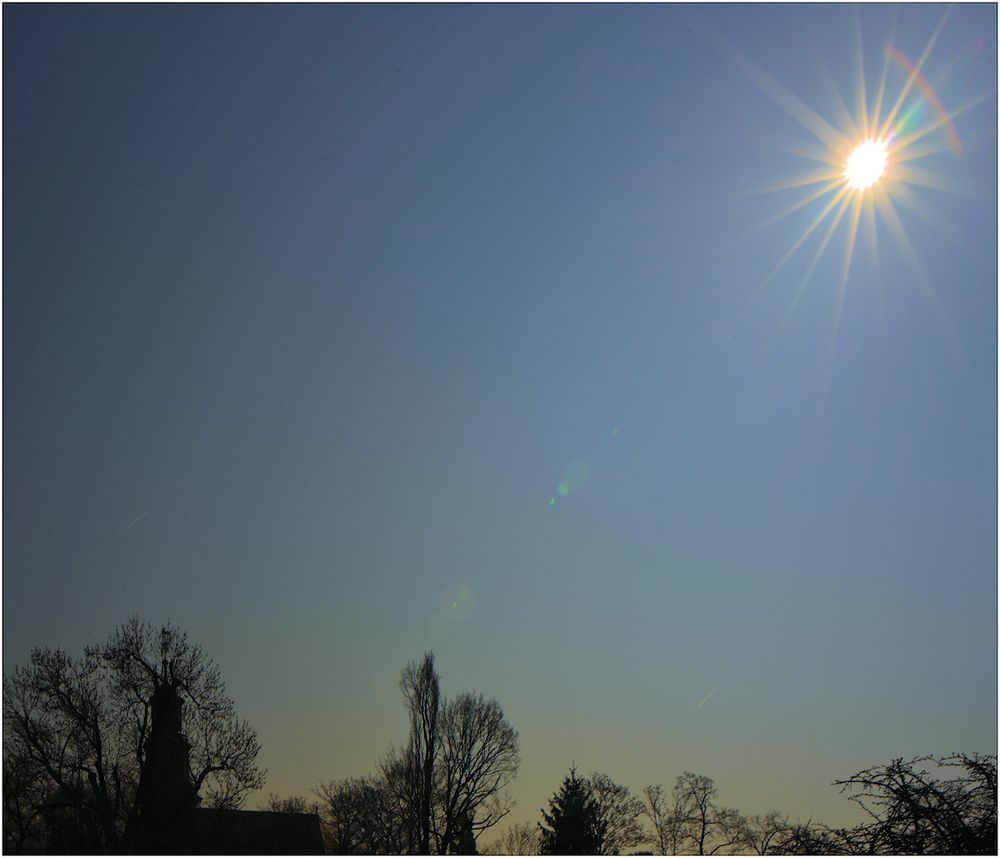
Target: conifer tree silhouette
point(572, 825)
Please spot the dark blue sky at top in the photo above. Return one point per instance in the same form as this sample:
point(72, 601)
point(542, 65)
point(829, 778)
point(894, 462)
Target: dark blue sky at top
point(332, 297)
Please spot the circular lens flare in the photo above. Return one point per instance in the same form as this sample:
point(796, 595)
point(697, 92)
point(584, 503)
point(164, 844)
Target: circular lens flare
point(866, 164)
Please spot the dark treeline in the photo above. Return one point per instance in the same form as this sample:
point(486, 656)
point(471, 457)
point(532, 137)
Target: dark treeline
point(84, 765)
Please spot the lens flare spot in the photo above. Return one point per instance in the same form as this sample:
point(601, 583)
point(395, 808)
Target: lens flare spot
point(563, 490)
point(866, 164)
point(457, 603)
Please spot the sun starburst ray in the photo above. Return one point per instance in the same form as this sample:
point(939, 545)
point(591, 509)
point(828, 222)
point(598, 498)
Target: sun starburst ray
point(805, 235)
point(852, 234)
point(913, 175)
point(923, 281)
point(857, 207)
point(883, 79)
point(930, 96)
point(832, 177)
point(843, 113)
point(905, 247)
point(904, 141)
point(945, 73)
point(791, 104)
point(870, 168)
point(815, 195)
point(845, 202)
point(919, 151)
point(913, 202)
point(845, 205)
point(861, 102)
point(871, 236)
point(810, 152)
point(914, 74)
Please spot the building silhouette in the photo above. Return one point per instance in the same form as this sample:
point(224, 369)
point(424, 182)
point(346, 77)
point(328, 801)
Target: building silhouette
point(169, 820)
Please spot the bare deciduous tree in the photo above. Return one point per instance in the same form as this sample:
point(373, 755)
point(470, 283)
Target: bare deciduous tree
point(359, 818)
point(702, 826)
point(421, 691)
point(291, 804)
point(479, 758)
point(448, 783)
point(23, 802)
point(399, 779)
point(763, 835)
point(809, 839)
point(82, 726)
point(439, 791)
point(914, 812)
point(618, 812)
point(519, 839)
point(665, 837)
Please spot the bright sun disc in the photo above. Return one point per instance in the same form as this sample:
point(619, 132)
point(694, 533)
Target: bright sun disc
point(866, 164)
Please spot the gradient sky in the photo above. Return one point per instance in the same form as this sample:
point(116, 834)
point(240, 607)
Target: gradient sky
point(309, 311)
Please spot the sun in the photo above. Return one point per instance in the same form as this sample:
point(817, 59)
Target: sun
point(868, 168)
point(866, 164)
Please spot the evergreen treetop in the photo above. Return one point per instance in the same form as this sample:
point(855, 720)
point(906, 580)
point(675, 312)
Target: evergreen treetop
point(572, 825)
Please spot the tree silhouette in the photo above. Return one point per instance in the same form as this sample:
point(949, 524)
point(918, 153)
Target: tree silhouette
point(81, 727)
point(809, 839)
point(400, 794)
point(698, 824)
point(618, 812)
point(521, 838)
point(763, 835)
point(439, 791)
point(913, 812)
point(573, 825)
point(421, 691)
point(463, 842)
point(664, 817)
point(291, 804)
point(479, 758)
point(360, 818)
point(447, 784)
point(24, 801)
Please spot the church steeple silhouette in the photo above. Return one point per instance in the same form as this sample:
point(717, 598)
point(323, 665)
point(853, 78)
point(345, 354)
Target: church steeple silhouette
point(166, 792)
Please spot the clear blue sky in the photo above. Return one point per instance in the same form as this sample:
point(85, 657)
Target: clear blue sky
point(309, 311)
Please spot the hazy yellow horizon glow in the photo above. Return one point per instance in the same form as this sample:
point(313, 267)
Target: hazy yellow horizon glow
point(866, 164)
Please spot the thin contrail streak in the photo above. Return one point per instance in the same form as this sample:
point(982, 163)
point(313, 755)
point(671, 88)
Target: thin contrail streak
point(127, 526)
point(710, 693)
